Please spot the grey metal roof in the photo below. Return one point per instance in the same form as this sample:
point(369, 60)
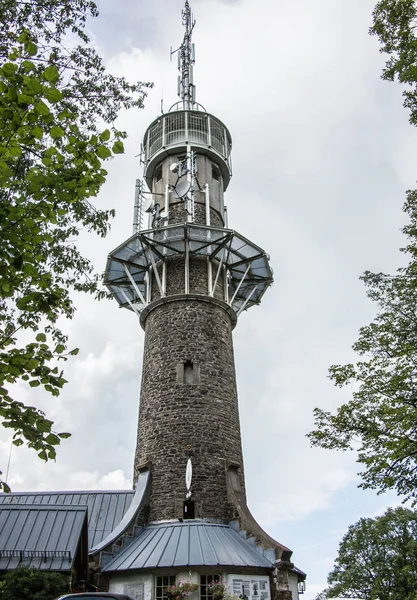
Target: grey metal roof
point(40, 536)
point(187, 544)
point(105, 509)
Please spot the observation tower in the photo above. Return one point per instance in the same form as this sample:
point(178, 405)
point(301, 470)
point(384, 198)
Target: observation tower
point(187, 276)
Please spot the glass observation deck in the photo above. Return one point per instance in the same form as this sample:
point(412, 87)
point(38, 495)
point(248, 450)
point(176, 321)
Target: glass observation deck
point(242, 266)
point(187, 127)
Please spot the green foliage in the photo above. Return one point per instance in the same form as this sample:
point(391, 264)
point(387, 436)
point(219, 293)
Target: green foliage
point(380, 419)
point(51, 154)
point(394, 22)
point(377, 559)
point(25, 583)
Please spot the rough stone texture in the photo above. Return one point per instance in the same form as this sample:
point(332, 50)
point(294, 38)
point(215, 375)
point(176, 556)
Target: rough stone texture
point(178, 421)
point(178, 214)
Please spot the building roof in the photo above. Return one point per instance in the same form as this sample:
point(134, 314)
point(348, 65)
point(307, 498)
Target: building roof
point(105, 508)
point(187, 544)
point(44, 537)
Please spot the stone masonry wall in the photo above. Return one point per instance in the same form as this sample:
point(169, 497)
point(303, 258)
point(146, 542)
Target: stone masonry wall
point(181, 420)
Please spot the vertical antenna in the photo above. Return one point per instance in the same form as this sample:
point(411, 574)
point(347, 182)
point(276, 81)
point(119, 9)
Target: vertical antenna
point(186, 60)
point(138, 207)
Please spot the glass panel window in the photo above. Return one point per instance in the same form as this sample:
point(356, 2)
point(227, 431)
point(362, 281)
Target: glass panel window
point(161, 584)
point(205, 580)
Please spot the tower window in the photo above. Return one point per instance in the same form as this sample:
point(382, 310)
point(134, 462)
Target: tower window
point(188, 373)
point(158, 173)
point(205, 580)
point(161, 584)
point(189, 510)
point(215, 173)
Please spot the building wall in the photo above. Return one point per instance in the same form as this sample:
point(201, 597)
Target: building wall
point(293, 585)
point(180, 408)
point(141, 587)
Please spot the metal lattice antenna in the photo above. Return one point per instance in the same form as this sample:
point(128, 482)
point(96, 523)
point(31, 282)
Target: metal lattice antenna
point(186, 60)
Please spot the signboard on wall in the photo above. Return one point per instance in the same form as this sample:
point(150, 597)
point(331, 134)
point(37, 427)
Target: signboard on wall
point(250, 588)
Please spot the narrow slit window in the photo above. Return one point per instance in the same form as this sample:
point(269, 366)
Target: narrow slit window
point(158, 173)
point(215, 173)
point(189, 375)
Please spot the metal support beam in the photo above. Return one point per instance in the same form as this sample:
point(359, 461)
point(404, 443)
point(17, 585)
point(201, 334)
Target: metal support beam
point(207, 198)
point(240, 283)
point(132, 306)
point(210, 277)
point(135, 287)
point(187, 267)
point(158, 279)
point(167, 203)
point(247, 300)
point(217, 275)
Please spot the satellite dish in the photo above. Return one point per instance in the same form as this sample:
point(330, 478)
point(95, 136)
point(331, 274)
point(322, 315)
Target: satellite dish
point(174, 168)
point(188, 474)
point(182, 189)
point(148, 206)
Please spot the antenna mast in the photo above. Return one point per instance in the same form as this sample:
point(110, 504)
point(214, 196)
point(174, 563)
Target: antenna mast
point(186, 60)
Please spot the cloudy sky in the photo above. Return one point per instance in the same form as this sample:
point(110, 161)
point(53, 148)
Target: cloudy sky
point(322, 155)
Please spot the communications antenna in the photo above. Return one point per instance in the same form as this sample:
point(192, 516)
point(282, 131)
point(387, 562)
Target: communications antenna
point(186, 60)
point(138, 207)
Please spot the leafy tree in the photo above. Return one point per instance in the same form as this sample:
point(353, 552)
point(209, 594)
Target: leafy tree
point(377, 559)
point(380, 420)
point(25, 583)
point(394, 23)
point(54, 94)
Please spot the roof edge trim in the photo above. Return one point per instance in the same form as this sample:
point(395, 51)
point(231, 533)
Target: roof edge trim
point(131, 513)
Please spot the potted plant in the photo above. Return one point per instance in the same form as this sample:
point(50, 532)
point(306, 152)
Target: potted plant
point(216, 589)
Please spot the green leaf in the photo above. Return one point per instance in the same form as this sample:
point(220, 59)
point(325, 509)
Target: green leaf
point(118, 147)
point(105, 135)
point(41, 337)
point(53, 95)
point(56, 132)
point(9, 69)
point(64, 435)
point(31, 48)
point(15, 151)
point(43, 425)
point(60, 349)
point(37, 132)
point(51, 74)
point(103, 152)
point(52, 439)
point(41, 108)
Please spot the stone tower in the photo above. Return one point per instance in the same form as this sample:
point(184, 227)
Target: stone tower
point(188, 277)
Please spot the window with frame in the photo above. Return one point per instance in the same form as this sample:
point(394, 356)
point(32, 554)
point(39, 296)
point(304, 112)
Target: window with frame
point(161, 584)
point(215, 173)
point(158, 173)
point(205, 580)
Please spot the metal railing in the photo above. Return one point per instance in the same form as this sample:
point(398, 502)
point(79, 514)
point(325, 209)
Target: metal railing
point(186, 126)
